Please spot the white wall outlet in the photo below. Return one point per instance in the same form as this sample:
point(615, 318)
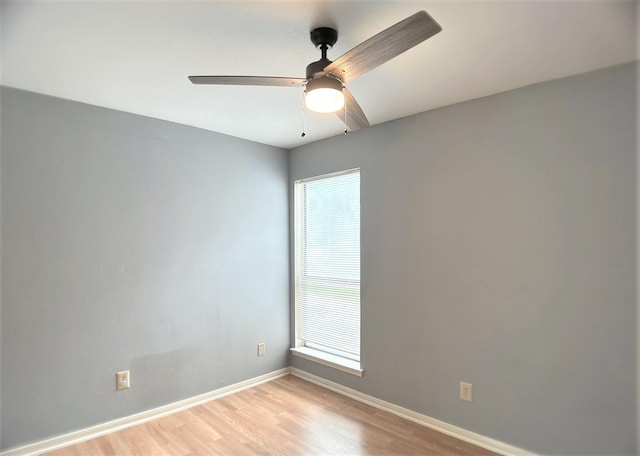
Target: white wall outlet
point(122, 380)
point(261, 349)
point(466, 391)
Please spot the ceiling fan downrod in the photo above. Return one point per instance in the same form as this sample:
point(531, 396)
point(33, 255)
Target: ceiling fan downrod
point(323, 38)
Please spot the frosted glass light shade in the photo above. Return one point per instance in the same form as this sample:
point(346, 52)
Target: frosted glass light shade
point(324, 95)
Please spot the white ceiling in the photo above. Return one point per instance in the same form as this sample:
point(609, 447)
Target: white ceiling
point(136, 56)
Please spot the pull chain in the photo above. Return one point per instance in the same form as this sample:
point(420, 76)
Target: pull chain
point(345, 118)
point(303, 128)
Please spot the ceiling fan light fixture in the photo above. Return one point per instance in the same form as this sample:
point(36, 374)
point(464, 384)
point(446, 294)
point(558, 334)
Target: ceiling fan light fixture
point(324, 94)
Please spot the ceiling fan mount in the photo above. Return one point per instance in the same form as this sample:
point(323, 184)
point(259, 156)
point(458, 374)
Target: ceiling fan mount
point(326, 77)
point(324, 36)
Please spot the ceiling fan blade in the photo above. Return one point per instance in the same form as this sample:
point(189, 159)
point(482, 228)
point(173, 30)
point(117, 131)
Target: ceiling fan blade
point(249, 80)
point(384, 46)
point(355, 118)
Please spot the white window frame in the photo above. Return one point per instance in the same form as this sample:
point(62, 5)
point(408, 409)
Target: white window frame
point(324, 357)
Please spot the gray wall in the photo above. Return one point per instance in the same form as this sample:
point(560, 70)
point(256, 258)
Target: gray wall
point(498, 244)
point(132, 243)
point(0, 264)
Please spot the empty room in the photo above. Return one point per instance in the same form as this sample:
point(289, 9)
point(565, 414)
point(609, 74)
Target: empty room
point(301, 227)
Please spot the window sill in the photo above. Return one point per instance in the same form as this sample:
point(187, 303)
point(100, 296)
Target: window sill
point(326, 359)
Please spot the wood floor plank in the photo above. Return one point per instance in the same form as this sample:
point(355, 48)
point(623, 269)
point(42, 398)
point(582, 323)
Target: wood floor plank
point(284, 417)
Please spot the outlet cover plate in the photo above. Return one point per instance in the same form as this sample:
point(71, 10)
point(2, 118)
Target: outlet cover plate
point(261, 349)
point(122, 380)
point(466, 392)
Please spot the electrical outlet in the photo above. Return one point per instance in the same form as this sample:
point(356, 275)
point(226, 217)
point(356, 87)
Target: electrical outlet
point(122, 380)
point(466, 391)
point(261, 349)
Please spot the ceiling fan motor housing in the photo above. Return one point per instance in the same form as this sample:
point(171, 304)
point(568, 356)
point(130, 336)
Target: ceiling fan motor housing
point(316, 69)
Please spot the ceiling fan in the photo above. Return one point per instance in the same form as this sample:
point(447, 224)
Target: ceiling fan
point(324, 83)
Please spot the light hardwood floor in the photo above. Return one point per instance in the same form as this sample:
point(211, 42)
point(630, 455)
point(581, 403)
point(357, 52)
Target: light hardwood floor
point(286, 416)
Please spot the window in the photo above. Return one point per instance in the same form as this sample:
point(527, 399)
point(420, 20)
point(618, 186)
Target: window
point(327, 269)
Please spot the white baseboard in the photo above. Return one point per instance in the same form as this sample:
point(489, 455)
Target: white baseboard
point(139, 418)
point(424, 420)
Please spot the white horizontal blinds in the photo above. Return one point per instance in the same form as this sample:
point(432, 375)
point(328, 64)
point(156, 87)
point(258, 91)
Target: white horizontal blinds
point(329, 264)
